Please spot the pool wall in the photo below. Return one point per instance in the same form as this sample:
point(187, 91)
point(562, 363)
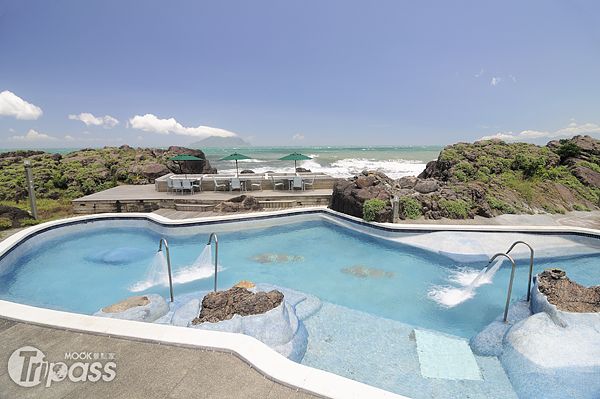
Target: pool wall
point(258, 355)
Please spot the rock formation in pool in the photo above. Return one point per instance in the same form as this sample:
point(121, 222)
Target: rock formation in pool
point(486, 178)
point(223, 305)
point(567, 295)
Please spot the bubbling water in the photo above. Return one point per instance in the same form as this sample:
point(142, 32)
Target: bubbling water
point(470, 279)
point(158, 272)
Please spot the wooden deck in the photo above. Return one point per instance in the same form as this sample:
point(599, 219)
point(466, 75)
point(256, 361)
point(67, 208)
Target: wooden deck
point(145, 198)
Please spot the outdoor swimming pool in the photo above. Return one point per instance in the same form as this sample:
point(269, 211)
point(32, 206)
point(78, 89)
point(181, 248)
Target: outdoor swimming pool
point(85, 269)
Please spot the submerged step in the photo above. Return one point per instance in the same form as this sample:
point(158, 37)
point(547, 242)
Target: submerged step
point(444, 357)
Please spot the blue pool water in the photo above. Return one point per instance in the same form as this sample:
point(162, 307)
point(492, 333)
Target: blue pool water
point(91, 269)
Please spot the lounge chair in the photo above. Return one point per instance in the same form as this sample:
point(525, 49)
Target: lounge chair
point(309, 183)
point(187, 185)
point(235, 184)
point(198, 183)
point(217, 185)
point(169, 184)
point(177, 185)
point(296, 183)
point(257, 183)
point(277, 183)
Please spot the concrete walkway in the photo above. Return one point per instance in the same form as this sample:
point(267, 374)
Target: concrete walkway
point(141, 369)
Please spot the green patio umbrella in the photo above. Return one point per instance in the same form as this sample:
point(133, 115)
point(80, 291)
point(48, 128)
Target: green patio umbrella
point(185, 158)
point(235, 157)
point(294, 157)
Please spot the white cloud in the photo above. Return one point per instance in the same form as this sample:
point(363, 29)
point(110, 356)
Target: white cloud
point(11, 105)
point(107, 122)
point(495, 81)
point(139, 138)
point(502, 136)
point(32, 135)
point(150, 123)
point(249, 138)
point(298, 137)
point(571, 130)
point(479, 74)
point(513, 78)
point(91, 139)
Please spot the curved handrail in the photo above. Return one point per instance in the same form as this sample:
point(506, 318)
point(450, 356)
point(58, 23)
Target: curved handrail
point(530, 264)
point(168, 263)
point(216, 254)
point(512, 275)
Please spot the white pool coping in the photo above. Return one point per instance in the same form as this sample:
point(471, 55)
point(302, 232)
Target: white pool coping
point(260, 356)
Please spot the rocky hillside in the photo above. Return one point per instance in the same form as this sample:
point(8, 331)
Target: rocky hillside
point(89, 170)
point(486, 178)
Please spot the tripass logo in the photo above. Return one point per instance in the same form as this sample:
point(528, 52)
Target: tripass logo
point(27, 366)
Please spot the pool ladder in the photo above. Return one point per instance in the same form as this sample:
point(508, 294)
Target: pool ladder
point(216, 254)
point(512, 273)
point(169, 259)
point(168, 263)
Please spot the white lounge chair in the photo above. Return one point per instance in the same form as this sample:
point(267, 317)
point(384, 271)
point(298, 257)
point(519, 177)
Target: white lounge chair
point(277, 183)
point(235, 184)
point(257, 183)
point(177, 185)
point(198, 183)
point(169, 184)
point(296, 183)
point(187, 185)
point(309, 183)
point(217, 185)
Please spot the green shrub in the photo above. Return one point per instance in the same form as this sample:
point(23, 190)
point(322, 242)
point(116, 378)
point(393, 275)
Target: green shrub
point(481, 176)
point(548, 208)
point(567, 150)
point(371, 207)
point(455, 207)
point(500, 205)
point(460, 175)
point(466, 167)
point(410, 208)
point(5, 224)
point(29, 222)
point(578, 207)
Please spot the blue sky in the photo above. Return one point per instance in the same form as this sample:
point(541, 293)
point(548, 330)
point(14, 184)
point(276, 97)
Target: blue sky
point(153, 73)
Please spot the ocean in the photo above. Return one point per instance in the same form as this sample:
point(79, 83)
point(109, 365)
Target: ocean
point(337, 161)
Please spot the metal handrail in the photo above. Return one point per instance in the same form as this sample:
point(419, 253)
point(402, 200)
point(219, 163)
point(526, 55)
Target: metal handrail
point(512, 276)
point(530, 265)
point(216, 254)
point(168, 263)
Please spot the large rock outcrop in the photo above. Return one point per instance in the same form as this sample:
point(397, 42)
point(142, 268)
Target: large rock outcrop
point(486, 178)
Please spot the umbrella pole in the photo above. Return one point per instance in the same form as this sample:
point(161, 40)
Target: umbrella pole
point(237, 173)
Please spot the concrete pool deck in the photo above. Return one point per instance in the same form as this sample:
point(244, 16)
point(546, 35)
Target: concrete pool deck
point(151, 367)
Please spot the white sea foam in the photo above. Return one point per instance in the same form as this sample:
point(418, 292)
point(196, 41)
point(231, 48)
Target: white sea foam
point(343, 168)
